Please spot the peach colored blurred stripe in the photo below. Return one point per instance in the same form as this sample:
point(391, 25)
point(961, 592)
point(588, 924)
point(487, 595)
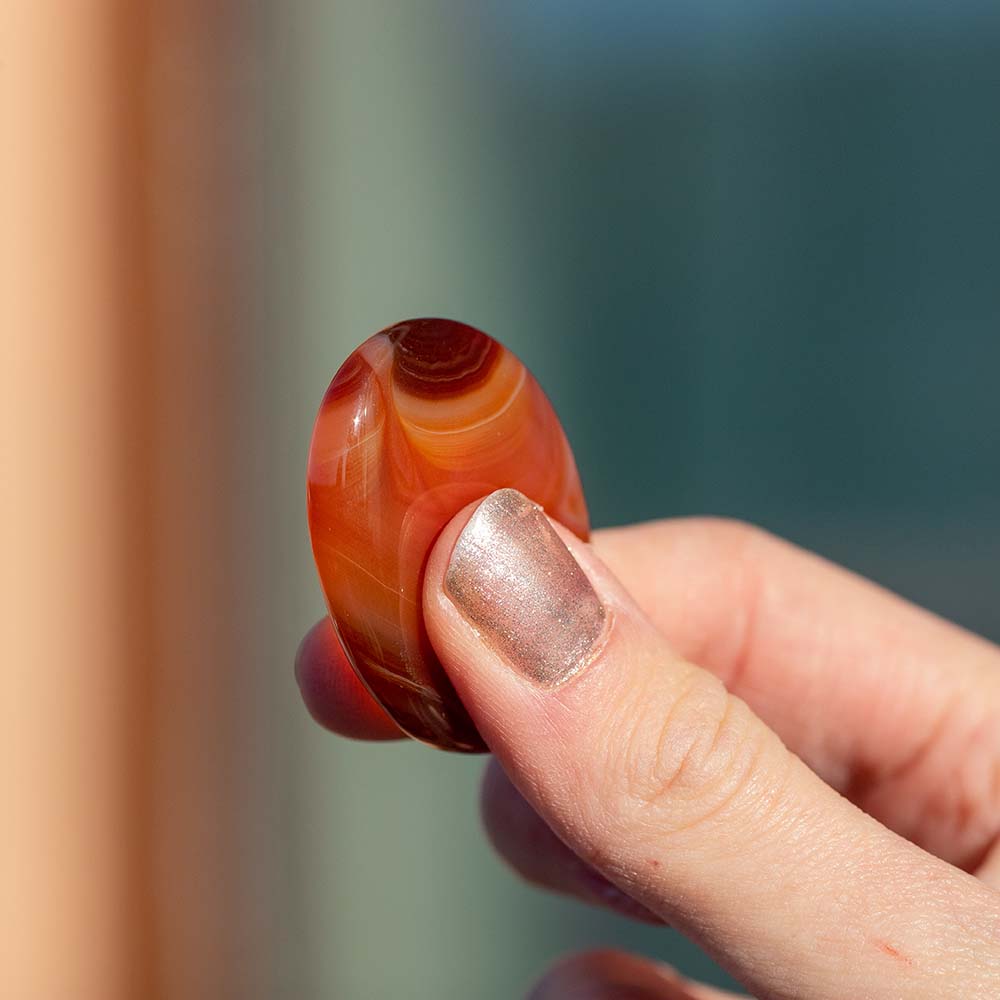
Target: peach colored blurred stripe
point(124, 870)
point(67, 877)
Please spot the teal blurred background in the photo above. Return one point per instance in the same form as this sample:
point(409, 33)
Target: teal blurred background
point(752, 252)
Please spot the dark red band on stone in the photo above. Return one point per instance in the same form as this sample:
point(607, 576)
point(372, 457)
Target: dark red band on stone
point(439, 357)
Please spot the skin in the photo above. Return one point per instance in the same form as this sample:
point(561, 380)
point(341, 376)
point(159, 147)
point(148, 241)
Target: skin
point(795, 768)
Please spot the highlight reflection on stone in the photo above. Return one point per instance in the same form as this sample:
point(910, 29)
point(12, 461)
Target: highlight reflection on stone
point(421, 419)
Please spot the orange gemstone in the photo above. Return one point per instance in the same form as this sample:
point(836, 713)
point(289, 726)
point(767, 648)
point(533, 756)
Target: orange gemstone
point(422, 419)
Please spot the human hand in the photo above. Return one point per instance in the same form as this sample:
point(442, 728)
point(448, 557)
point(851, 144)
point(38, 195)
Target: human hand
point(816, 802)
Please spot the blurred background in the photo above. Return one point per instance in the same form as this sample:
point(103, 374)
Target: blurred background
point(751, 248)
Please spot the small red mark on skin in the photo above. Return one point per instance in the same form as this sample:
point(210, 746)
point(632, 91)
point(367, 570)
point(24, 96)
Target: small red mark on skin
point(653, 863)
point(888, 949)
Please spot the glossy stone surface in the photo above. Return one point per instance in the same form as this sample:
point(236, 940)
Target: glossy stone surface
point(421, 419)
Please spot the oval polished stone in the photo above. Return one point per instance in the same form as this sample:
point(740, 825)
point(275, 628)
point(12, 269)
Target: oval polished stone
point(422, 419)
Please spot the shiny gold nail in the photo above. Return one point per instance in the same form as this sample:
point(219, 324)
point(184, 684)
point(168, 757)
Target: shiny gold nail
point(514, 580)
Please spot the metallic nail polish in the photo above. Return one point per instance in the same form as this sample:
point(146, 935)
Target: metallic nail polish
point(512, 577)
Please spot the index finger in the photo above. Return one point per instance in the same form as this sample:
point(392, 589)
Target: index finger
point(334, 695)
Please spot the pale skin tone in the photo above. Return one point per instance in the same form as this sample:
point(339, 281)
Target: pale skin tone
point(795, 768)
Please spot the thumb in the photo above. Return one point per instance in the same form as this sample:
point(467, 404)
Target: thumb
point(652, 772)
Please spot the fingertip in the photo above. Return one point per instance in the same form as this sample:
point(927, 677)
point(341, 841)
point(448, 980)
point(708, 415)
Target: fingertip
point(332, 691)
point(607, 974)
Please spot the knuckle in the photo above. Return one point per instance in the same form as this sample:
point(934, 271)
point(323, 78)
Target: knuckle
point(682, 766)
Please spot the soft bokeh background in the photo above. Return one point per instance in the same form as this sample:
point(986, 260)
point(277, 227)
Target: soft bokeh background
point(752, 251)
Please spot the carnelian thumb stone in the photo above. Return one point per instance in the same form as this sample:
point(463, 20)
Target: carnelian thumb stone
point(422, 419)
